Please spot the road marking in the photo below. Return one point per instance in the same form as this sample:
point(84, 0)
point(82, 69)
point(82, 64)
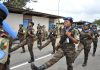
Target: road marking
point(14, 67)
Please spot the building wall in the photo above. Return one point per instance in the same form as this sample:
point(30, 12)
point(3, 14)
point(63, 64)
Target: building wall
point(14, 20)
point(41, 20)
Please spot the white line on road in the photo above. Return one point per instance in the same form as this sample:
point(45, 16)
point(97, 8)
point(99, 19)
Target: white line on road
point(14, 67)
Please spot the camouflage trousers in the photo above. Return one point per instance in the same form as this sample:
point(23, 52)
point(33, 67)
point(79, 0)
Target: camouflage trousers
point(23, 48)
point(94, 46)
point(4, 67)
point(47, 43)
point(86, 46)
point(78, 51)
point(39, 41)
point(30, 48)
point(44, 45)
point(69, 53)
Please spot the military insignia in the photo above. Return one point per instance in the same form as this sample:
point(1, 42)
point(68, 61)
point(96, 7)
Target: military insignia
point(4, 43)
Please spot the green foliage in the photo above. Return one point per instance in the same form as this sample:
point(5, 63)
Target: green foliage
point(97, 21)
point(16, 3)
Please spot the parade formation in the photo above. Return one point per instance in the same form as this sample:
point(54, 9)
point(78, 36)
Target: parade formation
point(69, 36)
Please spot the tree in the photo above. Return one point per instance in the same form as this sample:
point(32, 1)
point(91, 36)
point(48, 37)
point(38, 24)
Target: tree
point(97, 21)
point(17, 3)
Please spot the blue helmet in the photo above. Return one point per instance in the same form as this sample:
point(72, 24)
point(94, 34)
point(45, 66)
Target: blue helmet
point(86, 23)
point(68, 18)
point(4, 9)
point(94, 25)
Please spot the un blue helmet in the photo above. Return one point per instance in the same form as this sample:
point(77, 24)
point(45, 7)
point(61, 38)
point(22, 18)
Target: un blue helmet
point(94, 25)
point(4, 10)
point(86, 23)
point(68, 18)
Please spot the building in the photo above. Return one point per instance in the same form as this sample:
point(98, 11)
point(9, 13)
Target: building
point(21, 16)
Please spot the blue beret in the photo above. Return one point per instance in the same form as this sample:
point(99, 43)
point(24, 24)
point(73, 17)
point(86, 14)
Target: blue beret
point(4, 8)
point(94, 25)
point(86, 23)
point(68, 18)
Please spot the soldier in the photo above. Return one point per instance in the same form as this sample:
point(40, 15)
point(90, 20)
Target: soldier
point(21, 35)
point(95, 38)
point(30, 39)
point(38, 26)
point(52, 37)
point(39, 37)
point(65, 47)
point(85, 41)
point(5, 40)
point(44, 32)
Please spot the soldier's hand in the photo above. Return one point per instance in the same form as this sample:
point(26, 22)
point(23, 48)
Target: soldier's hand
point(89, 34)
point(68, 34)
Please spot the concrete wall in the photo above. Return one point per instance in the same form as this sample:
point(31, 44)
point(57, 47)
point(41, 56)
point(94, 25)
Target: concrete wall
point(14, 20)
point(41, 20)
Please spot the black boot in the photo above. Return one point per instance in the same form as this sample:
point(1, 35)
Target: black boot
point(85, 62)
point(93, 54)
point(33, 67)
point(30, 61)
point(23, 51)
point(53, 50)
point(70, 67)
point(94, 50)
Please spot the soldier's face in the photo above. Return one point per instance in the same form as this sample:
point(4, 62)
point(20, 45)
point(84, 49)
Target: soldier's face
point(20, 26)
point(67, 23)
point(85, 27)
point(30, 24)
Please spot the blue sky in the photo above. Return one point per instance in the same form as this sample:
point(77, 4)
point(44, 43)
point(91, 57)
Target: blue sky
point(78, 9)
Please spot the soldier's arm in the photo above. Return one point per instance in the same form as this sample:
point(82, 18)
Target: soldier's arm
point(98, 34)
point(74, 39)
point(31, 34)
point(62, 39)
point(90, 34)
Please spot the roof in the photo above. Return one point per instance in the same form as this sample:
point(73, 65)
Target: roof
point(34, 13)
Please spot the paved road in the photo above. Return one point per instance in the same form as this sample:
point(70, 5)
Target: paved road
point(19, 60)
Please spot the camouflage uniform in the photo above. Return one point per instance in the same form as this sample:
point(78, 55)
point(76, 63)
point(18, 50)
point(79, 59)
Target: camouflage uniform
point(5, 40)
point(95, 38)
point(85, 41)
point(39, 35)
point(4, 34)
point(66, 49)
point(20, 35)
point(52, 37)
point(30, 41)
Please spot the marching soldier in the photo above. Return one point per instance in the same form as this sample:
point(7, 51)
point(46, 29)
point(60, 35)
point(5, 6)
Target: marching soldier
point(38, 26)
point(5, 41)
point(30, 39)
point(52, 37)
point(39, 35)
point(65, 47)
point(85, 41)
point(21, 35)
point(95, 38)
